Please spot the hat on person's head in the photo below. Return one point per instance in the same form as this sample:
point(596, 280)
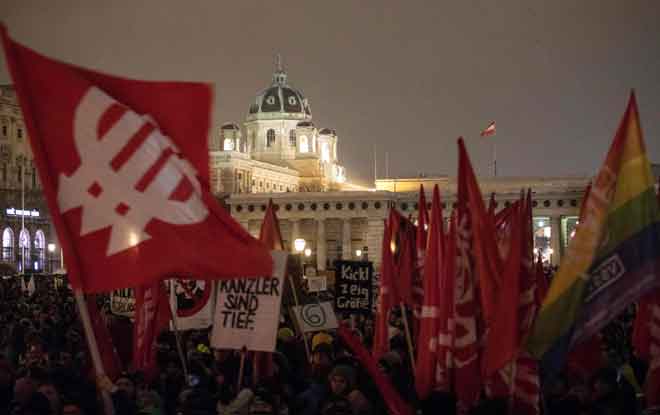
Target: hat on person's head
point(325, 348)
point(285, 333)
point(346, 372)
point(390, 360)
point(321, 337)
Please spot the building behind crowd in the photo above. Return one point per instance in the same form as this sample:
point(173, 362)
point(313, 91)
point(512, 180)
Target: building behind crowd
point(279, 153)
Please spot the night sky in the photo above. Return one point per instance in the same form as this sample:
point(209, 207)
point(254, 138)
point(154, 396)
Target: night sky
point(407, 77)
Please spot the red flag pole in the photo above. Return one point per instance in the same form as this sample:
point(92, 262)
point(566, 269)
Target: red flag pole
point(101, 377)
point(406, 328)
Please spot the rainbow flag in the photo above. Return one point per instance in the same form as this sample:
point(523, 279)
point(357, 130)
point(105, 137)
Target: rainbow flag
point(614, 257)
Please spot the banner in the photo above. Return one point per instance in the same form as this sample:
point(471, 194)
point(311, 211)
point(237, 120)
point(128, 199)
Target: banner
point(191, 300)
point(316, 317)
point(122, 302)
point(247, 310)
point(353, 286)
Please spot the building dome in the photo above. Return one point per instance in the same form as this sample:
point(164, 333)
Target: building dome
point(230, 126)
point(328, 131)
point(280, 98)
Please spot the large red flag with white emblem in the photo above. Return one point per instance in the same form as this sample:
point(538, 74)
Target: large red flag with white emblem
point(427, 341)
point(124, 166)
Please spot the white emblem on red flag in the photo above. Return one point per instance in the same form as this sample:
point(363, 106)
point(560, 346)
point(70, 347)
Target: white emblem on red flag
point(128, 175)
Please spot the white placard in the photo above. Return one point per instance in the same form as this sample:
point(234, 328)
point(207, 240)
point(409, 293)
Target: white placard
point(316, 284)
point(122, 302)
point(316, 317)
point(248, 309)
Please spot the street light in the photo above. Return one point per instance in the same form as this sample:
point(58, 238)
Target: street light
point(358, 253)
point(51, 249)
point(299, 245)
point(308, 252)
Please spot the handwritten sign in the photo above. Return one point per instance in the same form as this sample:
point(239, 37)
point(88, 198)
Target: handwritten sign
point(316, 317)
point(248, 309)
point(353, 286)
point(122, 302)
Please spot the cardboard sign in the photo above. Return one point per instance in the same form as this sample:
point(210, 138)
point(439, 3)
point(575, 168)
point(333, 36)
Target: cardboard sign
point(353, 286)
point(192, 300)
point(122, 302)
point(316, 284)
point(247, 310)
point(316, 317)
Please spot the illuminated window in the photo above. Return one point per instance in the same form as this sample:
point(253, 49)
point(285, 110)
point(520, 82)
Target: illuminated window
point(7, 245)
point(228, 145)
point(270, 138)
point(304, 144)
point(568, 227)
point(325, 152)
point(542, 237)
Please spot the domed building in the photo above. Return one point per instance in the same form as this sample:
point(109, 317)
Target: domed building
point(279, 148)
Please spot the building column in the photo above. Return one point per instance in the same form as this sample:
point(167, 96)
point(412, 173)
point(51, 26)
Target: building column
point(555, 239)
point(375, 230)
point(295, 233)
point(346, 249)
point(245, 224)
point(321, 252)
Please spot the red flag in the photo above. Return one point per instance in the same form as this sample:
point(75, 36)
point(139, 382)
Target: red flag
point(152, 316)
point(503, 340)
point(393, 401)
point(109, 356)
point(386, 296)
point(447, 313)
point(467, 322)
point(125, 170)
point(404, 236)
point(427, 341)
point(422, 227)
point(488, 131)
point(270, 236)
point(484, 249)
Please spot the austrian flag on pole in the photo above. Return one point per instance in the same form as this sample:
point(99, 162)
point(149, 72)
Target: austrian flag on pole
point(124, 166)
point(490, 130)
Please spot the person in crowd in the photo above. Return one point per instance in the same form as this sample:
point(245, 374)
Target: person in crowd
point(342, 379)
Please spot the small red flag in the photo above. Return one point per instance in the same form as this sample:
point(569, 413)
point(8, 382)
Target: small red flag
point(488, 131)
point(270, 236)
point(386, 296)
point(152, 316)
point(107, 351)
point(125, 169)
point(395, 404)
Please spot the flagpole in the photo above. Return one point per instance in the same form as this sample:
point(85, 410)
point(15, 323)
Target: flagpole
point(404, 317)
point(375, 166)
point(175, 327)
point(93, 350)
point(494, 158)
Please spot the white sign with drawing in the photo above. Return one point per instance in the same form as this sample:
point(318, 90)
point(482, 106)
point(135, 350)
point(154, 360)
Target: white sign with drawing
point(316, 317)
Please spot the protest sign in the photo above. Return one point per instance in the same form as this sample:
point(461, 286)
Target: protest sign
point(122, 302)
point(191, 300)
point(353, 286)
point(316, 284)
point(248, 309)
point(315, 317)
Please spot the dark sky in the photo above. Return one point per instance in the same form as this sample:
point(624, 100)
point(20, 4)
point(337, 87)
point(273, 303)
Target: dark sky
point(408, 77)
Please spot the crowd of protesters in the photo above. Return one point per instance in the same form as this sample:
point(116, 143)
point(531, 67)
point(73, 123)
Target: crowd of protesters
point(45, 369)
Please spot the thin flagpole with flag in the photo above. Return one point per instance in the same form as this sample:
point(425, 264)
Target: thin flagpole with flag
point(487, 132)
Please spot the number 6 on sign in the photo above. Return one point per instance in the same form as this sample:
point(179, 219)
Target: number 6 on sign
point(316, 317)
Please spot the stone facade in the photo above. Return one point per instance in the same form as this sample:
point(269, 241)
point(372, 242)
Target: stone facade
point(337, 224)
point(28, 238)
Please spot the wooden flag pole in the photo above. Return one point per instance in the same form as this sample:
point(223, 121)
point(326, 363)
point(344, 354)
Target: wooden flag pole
point(295, 300)
point(241, 369)
point(404, 317)
point(93, 350)
point(175, 327)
